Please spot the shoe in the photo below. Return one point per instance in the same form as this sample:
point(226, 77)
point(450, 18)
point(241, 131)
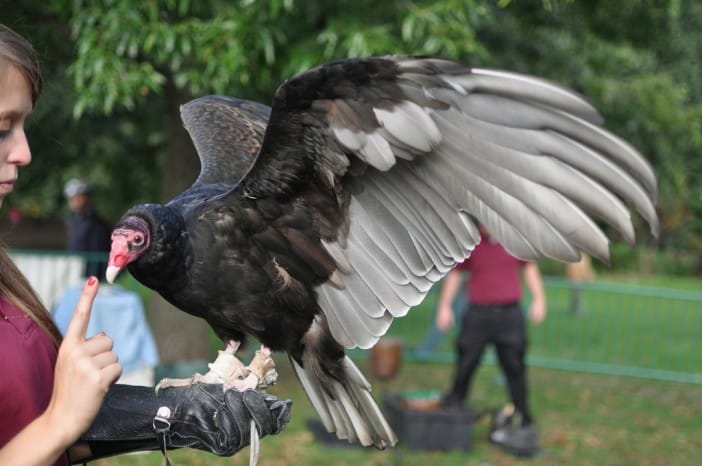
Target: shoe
point(503, 417)
point(522, 441)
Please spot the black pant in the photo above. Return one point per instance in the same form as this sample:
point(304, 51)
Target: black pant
point(504, 327)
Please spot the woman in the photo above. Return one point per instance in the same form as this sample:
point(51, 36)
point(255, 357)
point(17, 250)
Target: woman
point(84, 368)
point(51, 389)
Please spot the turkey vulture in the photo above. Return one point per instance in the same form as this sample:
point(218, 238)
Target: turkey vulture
point(314, 223)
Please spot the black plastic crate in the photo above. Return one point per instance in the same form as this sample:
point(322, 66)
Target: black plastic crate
point(430, 429)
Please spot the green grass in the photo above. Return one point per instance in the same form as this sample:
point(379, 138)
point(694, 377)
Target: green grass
point(584, 420)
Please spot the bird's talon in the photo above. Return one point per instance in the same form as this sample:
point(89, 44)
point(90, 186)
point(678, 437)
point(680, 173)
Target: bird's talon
point(263, 367)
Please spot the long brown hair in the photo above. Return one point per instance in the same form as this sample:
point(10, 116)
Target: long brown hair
point(18, 52)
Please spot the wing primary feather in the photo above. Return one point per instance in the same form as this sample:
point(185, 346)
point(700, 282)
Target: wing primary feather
point(523, 87)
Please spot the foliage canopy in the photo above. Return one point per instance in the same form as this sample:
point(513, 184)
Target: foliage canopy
point(118, 69)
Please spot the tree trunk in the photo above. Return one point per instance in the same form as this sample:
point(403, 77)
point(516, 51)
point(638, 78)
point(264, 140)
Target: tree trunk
point(179, 336)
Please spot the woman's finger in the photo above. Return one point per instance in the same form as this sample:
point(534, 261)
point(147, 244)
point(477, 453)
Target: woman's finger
point(81, 316)
point(105, 359)
point(112, 372)
point(97, 344)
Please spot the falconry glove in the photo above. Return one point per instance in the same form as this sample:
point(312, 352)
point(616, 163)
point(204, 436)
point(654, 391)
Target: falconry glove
point(201, 416)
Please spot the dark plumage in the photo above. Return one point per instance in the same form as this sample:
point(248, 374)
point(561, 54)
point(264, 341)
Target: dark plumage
point(363, 193)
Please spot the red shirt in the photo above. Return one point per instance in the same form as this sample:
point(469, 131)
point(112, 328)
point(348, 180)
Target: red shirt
point(494, 274)
point(26, 372)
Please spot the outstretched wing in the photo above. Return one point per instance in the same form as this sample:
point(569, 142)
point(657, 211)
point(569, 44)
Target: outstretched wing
point(227, 135)
point(411, 149)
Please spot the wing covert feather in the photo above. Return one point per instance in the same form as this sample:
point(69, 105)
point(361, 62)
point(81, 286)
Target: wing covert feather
point(227, 135)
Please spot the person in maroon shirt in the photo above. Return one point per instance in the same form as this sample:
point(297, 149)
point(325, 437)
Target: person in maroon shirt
point(58, 403)
point(494, 316)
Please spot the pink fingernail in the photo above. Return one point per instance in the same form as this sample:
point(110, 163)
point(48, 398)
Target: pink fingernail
point(91, 281)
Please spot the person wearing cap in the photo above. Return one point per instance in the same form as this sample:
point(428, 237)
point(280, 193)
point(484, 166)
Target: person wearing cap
point(87, 231)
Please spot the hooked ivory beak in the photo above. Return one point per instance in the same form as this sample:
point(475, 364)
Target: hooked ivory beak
point(111, 273)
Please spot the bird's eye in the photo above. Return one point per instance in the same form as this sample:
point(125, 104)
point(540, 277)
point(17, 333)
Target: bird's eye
point(138, 240)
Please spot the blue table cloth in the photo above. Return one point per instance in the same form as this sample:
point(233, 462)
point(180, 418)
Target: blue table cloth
point(120, 314)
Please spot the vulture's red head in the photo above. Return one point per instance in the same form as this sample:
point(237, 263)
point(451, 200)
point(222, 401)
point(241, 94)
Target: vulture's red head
point(130, 240)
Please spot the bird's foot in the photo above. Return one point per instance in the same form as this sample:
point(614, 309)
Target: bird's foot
point(260, 374)
point(225, 367)
point(228, 370)
point(197, 378)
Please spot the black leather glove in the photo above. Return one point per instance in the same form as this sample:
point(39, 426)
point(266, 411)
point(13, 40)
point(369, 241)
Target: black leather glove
point(200, 416)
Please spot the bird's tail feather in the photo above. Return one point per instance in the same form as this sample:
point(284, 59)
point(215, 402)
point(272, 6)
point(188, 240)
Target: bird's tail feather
point(347, 409)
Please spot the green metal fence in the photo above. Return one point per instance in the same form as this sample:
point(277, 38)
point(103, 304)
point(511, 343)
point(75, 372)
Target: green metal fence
point(621, 329)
